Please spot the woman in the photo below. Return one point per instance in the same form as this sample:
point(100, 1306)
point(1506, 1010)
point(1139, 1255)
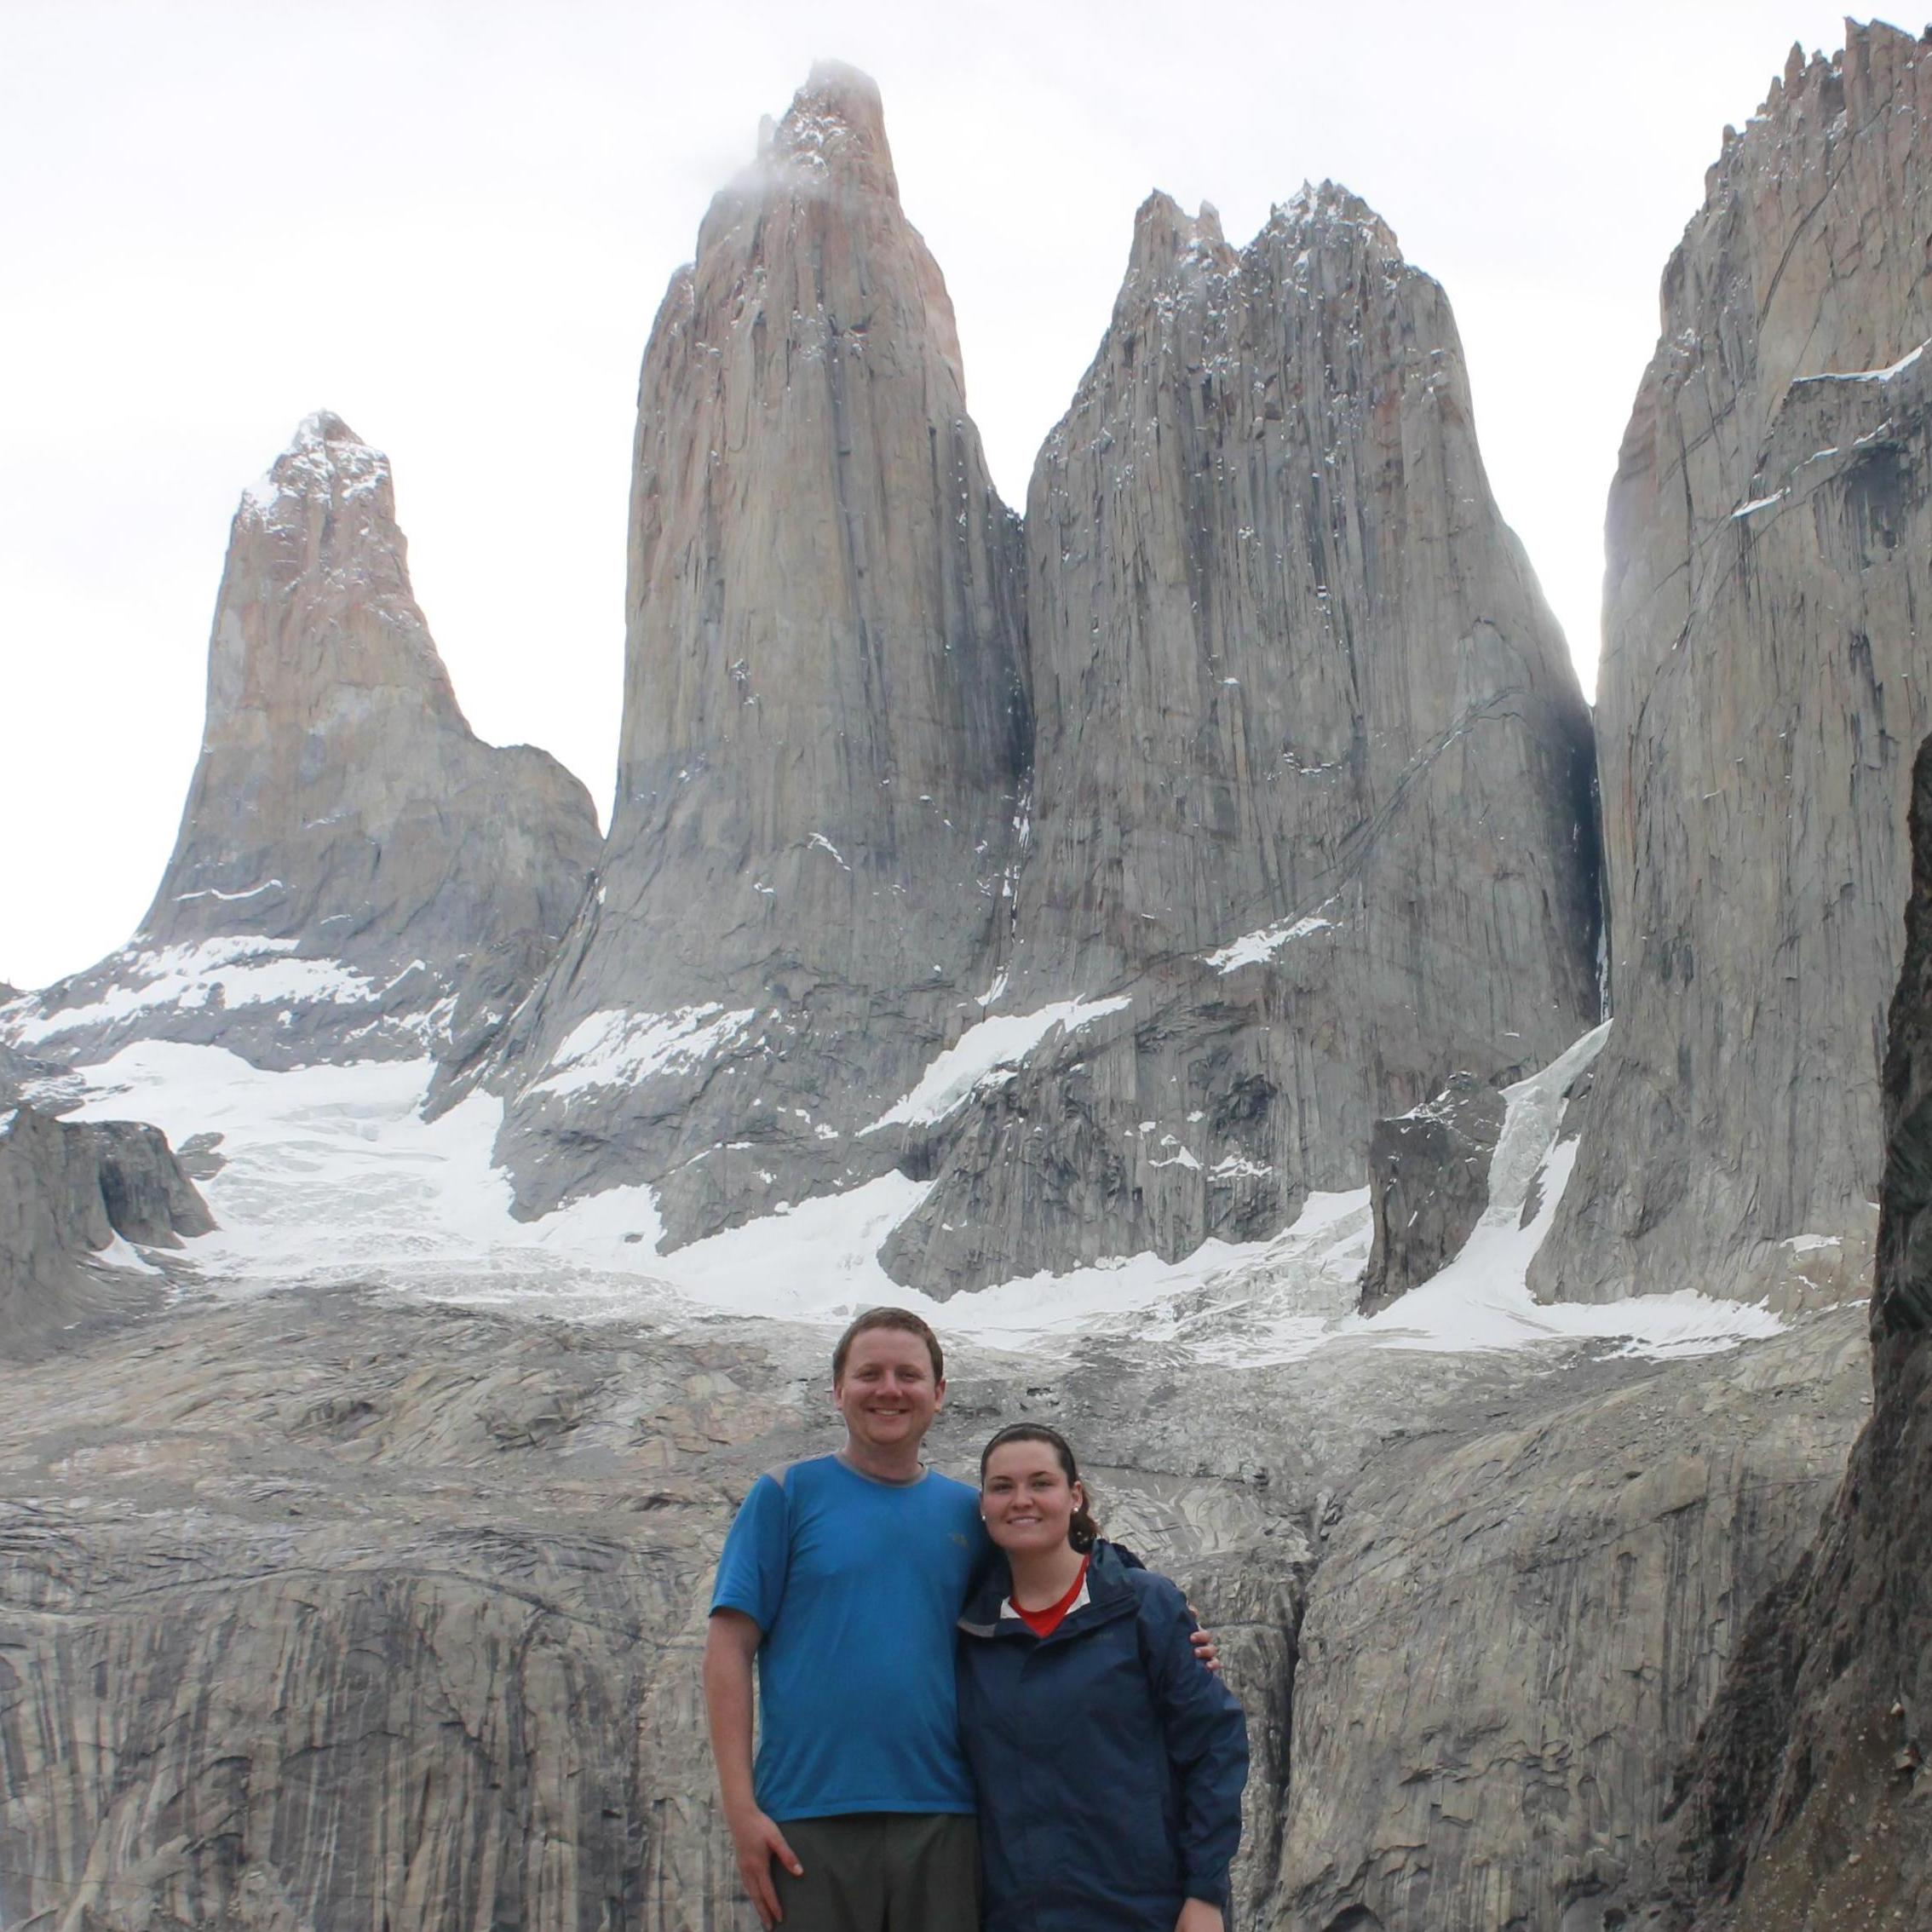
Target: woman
point(1107, 1764)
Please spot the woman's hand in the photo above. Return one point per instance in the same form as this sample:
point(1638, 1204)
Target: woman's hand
point(1199, 1916)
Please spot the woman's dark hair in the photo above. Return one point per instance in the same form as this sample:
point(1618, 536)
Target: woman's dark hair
point(1083, 1531)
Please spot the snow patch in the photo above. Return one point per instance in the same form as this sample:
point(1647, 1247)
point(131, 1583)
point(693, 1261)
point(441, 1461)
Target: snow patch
point(243, 971)
point(614, 1048)
point(1251, 948)
point(215, 892)
point(333, 1176)
point(1898, 368)
point(1810, 1244)
point(987, 1054)
point(122, 1253)
point(1482, 1300)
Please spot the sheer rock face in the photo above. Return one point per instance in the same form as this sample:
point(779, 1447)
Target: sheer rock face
point(354, 869)
point(66, 1190)
point(1763, 683)
point(1808, 1805)
point(1511, 1641)
point(824, 717)
point(1313, 774)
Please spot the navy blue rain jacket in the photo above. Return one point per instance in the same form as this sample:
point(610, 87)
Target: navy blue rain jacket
point(1108, 1762)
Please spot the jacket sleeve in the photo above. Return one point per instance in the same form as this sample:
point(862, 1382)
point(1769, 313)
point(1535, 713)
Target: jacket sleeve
point(1207, 1741)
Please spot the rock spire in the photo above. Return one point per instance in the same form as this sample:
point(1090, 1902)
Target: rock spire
point(354, 864)
point(825, 724)
point(1312, 793)
point(1765, 679)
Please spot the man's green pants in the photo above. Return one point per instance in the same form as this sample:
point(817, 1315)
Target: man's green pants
point(881, 1871)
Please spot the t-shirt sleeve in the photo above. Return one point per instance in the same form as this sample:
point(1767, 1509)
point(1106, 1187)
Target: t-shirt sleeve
point(751, 1569)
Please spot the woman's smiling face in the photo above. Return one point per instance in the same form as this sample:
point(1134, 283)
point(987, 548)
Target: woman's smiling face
point(1025, 1497)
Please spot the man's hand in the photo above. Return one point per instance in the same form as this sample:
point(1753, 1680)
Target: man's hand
point(757, 1841)
point(730, 1644)
point(1199, 1916)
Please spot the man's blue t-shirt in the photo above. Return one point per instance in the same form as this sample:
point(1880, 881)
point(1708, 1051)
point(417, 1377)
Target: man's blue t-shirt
point(857, 1586)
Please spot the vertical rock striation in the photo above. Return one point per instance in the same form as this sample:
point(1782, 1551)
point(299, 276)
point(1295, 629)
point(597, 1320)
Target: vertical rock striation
point(355, 869)
point(1312, 773)
point(1809, 1804)
point(825, 728)
point(1513, 1638)
point(1764, 679)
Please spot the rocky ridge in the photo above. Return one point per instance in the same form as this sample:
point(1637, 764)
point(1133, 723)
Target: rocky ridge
point(357, 874)
point(1143, 971)
point(1763, 683)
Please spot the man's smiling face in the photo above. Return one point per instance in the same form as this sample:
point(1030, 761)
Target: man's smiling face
point(888, 1394)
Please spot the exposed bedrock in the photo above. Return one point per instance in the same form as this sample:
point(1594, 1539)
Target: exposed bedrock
point(1511, 1641)
point(66, 1191)
point(1429, 1183)
point(1313, 783)
point(328, 1612)
point(318, 1609)
point(1764, 681)
point(356, 872)
point(1807, 1806)
point(825, 722)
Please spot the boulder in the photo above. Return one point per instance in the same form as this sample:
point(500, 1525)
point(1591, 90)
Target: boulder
point(1429, 1183)
point(68, 1192)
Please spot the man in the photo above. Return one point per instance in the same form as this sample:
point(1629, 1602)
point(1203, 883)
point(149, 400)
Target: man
point(843, 1577)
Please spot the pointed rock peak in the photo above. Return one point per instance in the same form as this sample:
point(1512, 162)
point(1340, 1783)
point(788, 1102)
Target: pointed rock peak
point(324, 459)
point(836, 121)
point(1330, 206)
point(1165, 238)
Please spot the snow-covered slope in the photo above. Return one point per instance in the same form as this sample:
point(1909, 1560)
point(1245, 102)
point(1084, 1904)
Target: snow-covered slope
point(332, 1174)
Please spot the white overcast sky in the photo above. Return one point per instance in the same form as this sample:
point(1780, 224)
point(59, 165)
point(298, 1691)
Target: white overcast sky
point(451, 221)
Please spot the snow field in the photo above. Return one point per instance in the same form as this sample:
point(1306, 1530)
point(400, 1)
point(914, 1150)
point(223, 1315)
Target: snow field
point(332, 1175)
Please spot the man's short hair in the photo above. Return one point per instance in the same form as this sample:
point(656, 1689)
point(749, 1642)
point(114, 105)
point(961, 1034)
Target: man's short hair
point(905, 1321)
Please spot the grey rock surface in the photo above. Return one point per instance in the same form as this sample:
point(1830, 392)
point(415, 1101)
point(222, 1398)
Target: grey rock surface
point(1765, 679)
point(356, 873)
point(320, 1607)
point(324, 1611)
point(1807, 1806)
point(825, 722)
point(66, 1190)
point(1429, 1183)
point(1511, 1641)
point(1312, 776)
